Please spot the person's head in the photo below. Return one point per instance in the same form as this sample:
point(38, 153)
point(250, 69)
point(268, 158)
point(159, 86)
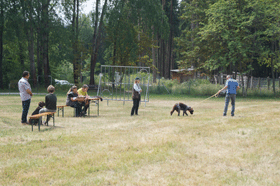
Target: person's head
point(84, 88)
point(50, 89)
point(137, 80)
point(26, 74)
point(228, 77)
point(73, 89)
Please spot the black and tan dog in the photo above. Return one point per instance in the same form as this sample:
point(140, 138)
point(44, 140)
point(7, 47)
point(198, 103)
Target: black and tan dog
point(183, 107)
point(41, 104)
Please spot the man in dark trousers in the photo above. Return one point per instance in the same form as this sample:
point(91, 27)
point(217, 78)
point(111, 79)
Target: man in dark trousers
point(25, 95)
point(231, 86)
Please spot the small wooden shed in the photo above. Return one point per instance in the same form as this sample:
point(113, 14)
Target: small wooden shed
point(182, 74)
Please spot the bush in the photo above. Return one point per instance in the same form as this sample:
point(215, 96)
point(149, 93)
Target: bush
point(192, 87)
point(202, 87)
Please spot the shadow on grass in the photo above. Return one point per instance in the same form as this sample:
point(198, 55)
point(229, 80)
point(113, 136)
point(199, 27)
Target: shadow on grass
point(46, 128)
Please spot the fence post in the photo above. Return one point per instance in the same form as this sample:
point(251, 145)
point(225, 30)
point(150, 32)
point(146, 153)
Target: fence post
point(268, 83)
point(260, 84)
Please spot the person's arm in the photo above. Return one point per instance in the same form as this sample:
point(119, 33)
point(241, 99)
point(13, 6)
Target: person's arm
point(29, 92)
point(73, 98)
point(87, 96)
point(238, 87)
point(137, 88)
point(225, 87)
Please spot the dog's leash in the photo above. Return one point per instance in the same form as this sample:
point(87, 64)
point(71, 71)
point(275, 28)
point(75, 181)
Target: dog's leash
point(215, 95)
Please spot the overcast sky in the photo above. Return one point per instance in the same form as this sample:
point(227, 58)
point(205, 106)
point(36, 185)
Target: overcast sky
point(88, 6)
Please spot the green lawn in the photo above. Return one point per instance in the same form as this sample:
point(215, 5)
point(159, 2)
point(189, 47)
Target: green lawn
point(151, 149)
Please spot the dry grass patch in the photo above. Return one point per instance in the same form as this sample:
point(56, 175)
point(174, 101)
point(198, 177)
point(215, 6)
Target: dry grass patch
point(151, 149)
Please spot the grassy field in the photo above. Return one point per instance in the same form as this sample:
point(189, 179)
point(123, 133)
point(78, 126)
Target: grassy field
point(153, 148)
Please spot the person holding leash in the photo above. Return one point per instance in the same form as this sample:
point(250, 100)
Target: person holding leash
point(25, 95)
point(136, 96)
point(231, 86)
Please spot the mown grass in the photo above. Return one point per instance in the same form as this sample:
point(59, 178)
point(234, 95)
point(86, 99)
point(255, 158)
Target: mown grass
point(151, 149)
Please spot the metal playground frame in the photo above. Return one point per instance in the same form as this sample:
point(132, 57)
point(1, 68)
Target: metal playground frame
point(116, 82)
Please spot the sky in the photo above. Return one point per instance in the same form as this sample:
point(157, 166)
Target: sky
point(88, 6)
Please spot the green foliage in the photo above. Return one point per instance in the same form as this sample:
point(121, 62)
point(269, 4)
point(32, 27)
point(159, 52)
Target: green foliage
point(129, 31)
point(228, 36)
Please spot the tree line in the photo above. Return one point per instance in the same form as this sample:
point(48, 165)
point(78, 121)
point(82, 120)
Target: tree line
point(54, 38)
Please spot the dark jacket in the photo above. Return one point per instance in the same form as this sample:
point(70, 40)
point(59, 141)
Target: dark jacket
point(50, 101)
point(68, 100)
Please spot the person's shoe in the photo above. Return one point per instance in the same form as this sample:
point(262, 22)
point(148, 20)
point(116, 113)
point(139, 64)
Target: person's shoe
point(224, 115)
point(82, 114)
point(24, 123)
point(232, 115)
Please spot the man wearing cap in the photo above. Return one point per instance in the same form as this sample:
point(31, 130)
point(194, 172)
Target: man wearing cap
point(231, 86)
point(136, 96)
point(25, 95)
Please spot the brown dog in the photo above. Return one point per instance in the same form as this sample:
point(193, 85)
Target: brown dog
point(181, 106)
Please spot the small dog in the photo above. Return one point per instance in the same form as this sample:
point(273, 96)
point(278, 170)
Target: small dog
point(41, 104)
point(181, 106)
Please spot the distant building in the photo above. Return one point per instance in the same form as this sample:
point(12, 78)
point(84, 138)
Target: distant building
point(182, 74)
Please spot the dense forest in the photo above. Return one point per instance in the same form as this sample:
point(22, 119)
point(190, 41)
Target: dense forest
point(53, 38)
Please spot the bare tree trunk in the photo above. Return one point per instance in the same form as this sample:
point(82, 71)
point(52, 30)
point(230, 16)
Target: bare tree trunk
point(31, 54)
point(39, 47)
point(170, 44)
point(272, 69)
point(154, 59)
point(45, 25)
point(74, 44)
point(1, 43)
point(21, 56)
point(96, 43)
point(92, 65)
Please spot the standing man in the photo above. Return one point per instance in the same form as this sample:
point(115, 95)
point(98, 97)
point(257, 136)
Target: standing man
point(231, 86)
point(25, 95)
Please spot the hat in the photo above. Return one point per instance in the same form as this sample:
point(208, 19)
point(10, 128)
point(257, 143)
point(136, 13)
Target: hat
point(137, 78)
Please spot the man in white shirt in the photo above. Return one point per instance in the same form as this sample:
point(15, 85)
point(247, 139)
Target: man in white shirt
point(25, 95)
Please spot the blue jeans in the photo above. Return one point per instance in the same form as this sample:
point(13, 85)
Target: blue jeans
point(25, 108)
point(232, 98)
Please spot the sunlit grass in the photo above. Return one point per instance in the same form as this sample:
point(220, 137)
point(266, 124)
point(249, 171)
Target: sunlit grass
point(151, 149)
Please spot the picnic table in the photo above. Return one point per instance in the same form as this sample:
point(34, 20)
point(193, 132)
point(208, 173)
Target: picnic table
point(93, 99)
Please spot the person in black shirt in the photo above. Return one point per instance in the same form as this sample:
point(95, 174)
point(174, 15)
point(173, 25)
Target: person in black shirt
point(50, 101)
point(73, 100)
